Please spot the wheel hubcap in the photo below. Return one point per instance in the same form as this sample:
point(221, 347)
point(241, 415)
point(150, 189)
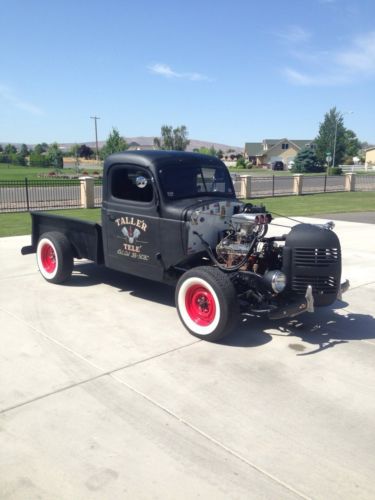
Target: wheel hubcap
point(200, 305)
point(48, 258)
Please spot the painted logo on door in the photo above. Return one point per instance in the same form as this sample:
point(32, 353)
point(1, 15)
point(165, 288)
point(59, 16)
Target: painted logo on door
point(133, 233)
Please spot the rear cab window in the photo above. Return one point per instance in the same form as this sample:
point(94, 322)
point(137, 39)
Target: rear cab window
point(131, 183)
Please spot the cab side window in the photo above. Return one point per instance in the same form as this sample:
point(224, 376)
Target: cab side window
point(131, 183)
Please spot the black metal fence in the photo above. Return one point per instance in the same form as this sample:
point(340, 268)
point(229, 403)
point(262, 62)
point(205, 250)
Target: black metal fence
point(46, 194)
point(98, 196)
point(261, 186)
point(25, 195)
point(271, 186)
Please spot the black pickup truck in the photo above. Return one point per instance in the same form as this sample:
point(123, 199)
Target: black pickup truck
point(173, 217)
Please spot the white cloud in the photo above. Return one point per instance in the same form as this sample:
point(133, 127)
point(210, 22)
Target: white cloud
point(361, 57)
point(167, 72)
point(304, 79)
point(8, 95)
point(338, 67)
point(294, 34)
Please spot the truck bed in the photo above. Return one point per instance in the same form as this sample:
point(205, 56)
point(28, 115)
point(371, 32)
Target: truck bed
point(84, 236)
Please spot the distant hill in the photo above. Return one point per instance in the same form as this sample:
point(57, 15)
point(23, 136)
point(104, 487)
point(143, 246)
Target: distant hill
point(149, 141)
point(144, 141)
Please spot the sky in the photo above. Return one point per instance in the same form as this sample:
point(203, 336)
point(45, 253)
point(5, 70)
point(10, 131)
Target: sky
point(232, 72)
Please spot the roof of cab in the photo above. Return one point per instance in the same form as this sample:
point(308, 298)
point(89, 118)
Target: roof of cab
point(154, 158)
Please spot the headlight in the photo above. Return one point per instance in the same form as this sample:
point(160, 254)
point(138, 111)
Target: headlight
point(277, 280)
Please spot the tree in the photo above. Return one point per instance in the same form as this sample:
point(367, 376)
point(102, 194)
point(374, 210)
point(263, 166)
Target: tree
point(24, 150)
point(10, 149)
point(85, 151)
point(40, 148)
point(206, 151)
point(73, 150)
point(306, 161)
point(352, 144)
point(331, 127)
point(114, 144)
point(172, 138)
point(54, 156)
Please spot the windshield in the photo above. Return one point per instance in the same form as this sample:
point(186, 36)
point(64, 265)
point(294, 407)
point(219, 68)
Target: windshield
point(195, 180)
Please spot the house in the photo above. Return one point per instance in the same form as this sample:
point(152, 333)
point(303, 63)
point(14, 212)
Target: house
point(370, 156)
point(135, 146)
point(269, 150)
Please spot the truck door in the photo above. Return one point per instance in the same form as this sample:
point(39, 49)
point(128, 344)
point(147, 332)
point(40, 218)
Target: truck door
point(131, 222)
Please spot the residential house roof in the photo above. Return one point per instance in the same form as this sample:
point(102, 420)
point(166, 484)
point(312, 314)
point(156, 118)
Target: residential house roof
point(261, 148)
point(254, 148)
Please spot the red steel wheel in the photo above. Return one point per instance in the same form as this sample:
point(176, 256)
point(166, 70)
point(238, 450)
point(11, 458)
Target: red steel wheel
point(206, 302)
point(48, 258)
point(200, 304)
point(54, 256)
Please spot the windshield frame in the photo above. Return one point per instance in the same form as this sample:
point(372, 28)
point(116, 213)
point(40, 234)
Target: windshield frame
point(177, 189)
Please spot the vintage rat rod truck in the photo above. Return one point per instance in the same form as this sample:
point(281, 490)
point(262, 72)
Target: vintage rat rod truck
point(173, 217)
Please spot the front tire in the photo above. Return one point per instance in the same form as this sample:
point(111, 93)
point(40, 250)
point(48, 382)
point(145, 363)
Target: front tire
point(54, 256)
point(206, 302)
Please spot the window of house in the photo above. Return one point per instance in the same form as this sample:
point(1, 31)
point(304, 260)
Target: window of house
point(131, 183)
point(284, 145)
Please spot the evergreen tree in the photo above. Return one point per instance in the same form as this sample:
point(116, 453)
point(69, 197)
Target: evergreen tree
point(332, 127)
point(306, 161)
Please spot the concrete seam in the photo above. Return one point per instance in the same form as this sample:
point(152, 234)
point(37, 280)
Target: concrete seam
point(212, 440)
point(95, 377)
point(5, 278)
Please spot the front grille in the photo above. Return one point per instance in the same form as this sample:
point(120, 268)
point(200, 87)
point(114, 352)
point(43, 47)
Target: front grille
point(320, 284)
point(316, 257)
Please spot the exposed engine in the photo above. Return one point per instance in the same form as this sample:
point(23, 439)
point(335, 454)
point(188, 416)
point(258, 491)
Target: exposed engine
point(245, 247)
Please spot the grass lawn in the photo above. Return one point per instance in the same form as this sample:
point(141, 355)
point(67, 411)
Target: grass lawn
point(15, 224)
point(18, 223)
point(15, 172)
point(315, 204)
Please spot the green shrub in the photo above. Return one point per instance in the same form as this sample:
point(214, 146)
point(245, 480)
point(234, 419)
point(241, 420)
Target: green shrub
point(38, 160)
point(335, 171)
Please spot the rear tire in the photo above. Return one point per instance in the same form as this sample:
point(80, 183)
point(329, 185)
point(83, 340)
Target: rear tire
point(54, 256)
point(206, 302)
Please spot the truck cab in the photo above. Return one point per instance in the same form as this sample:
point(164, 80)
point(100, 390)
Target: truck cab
point(148, 203)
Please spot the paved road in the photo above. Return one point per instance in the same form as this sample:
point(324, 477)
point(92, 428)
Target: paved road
point(54, 196)
point(103, 393)
point(365, 217)
point(43, 197)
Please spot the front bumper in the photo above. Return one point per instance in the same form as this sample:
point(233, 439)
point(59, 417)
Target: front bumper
point(302, 305)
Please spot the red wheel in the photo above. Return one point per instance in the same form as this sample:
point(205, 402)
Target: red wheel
point(200, 304)
point(54, 257)
point(206, 302)
point(48, 257)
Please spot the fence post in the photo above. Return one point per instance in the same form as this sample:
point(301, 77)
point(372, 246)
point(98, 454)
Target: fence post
point(297, 183)
point(245, 186)
point(27, 194)
point(350, 181)
point(87, 192)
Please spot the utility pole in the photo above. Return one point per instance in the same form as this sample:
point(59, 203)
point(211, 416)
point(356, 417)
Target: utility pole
point(96, 118)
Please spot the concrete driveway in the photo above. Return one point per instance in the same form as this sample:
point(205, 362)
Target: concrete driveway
point(104, 395)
